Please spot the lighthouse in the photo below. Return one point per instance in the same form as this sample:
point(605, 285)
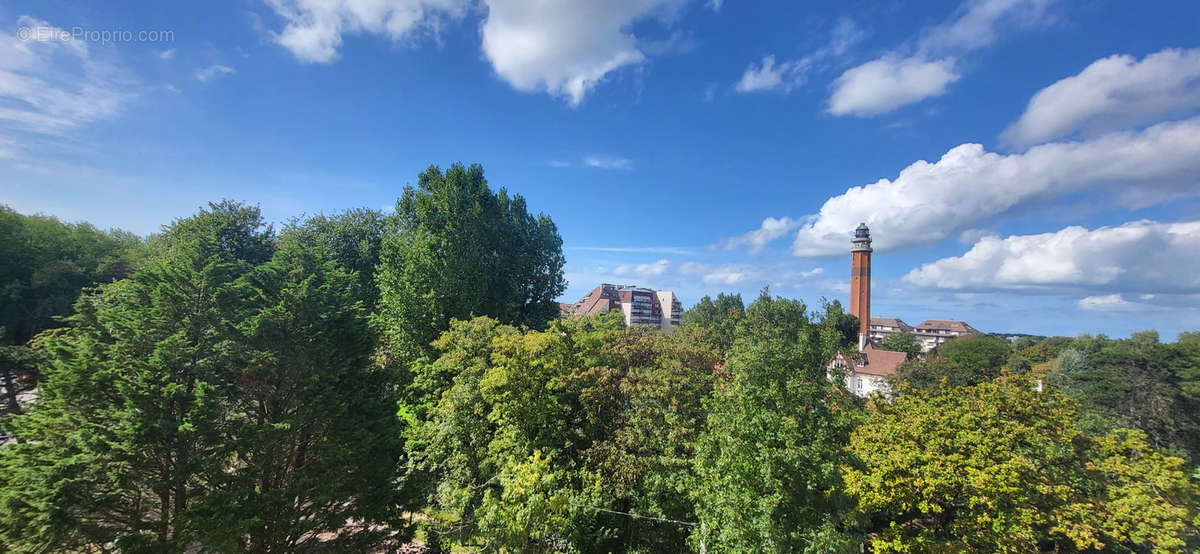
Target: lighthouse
point(860, 282)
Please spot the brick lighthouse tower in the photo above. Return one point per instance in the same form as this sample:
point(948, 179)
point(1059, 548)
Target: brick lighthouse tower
point(860, 282)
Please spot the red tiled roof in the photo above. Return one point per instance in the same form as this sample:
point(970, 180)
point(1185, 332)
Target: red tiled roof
point(877, 361)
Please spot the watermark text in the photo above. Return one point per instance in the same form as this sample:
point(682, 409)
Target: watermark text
point(47, 33)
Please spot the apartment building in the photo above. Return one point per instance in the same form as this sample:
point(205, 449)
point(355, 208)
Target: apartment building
point(640, 306)
point(931, 333)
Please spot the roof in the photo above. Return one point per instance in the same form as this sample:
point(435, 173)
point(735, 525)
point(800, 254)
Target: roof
point(877, 361)
point(872, 360)
point(949, 325)
point(890, 322)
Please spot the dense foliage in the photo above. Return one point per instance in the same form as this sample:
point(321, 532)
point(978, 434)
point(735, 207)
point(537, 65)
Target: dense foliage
point(45, 265)
point(461, 251)
point(767, 464)
point(1000, 467)
point(360, 380)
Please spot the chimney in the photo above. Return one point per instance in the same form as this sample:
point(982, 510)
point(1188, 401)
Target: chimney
point(860, 282)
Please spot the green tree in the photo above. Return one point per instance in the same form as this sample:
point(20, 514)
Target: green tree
point(611, 415)
point(902, 342)
point(463, 251)
point(352, 238)
point(1138, 383)
point(767, 463)
point(47, 263)
point(129, 421)
point(980, 355)
point(1000, 467)
point(312, 429)
point(716, 319)
point(960, 362)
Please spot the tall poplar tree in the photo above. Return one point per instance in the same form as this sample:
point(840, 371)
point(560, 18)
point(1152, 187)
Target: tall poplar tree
point(462, 251)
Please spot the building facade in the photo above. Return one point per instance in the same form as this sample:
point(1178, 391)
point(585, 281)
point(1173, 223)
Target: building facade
point(866, 372)
point(641, 307)
point(931, 333)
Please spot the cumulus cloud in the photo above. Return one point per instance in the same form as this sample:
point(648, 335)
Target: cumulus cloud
point(887, 83)
point(167, 54)
point(313, 29)
point(607, 162)
point(644, 270)
point(768, 76)
point(1144, 257)
point(211, 72)
point(897, 79)
point(1112, 93)
point(770, 230)
point(51, 87)
point(969, 186)
point(564, 48)
point(1106, 303)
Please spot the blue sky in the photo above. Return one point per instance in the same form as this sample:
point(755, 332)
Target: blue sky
point(1025, 165)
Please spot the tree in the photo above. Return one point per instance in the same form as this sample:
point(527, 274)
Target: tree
point(960, 362)
point(463, 251)
point(1138, 383)
point(902, 342)
point(1000, 467)
point(312, 428)
point(353, 239)
point(767, 463)
point(605, 418)
point(981, 355)
point(47, 263)
point(129, 421)
point(717, 319)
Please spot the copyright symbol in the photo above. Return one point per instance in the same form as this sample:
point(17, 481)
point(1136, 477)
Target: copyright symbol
point(24, 34)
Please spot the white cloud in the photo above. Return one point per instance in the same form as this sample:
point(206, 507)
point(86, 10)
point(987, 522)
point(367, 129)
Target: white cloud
point(728, 275)
point(1112, 93)
point(51, 87)
point(207, 74)
point(644, 270)
point(714, 5)
point(313, 29)
point(887, 83)
point(788, 75)
point(567, 47)
point(167, 54)
point(770, 230)
point(607, 162)
point(812, 272)
point(896, 79)
point(1144, 257)
point(768, 76)
point(969, 186)
point(1106, 303)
